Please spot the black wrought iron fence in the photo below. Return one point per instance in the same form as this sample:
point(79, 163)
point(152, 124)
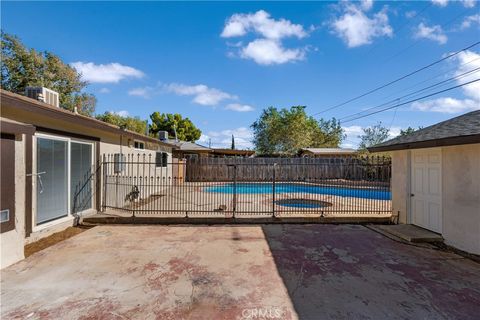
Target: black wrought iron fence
point(137, 185)
point(85, 191)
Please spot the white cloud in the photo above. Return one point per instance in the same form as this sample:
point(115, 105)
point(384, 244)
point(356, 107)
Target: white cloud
point(141, 92)
point(470, 20)
point(268, 52)
point(260, 22)
point(355, 28)
point(444, 3)
point(239, 107)
point(105, 73)
point(204, 139)
point(104, 90)
point(201, 93)
point(469, 3)
point(121, 113)
point(434, 33)
point(410, 14)
point(268, 49)
point(446, 105)
point(394, 132)
point(468, 60)
point(440, 3)
point(223, 139)
point(366, 4)
point(352, 131)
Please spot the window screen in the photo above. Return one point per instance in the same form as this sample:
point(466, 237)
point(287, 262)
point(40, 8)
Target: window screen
point(118, 162)
point(161, 159)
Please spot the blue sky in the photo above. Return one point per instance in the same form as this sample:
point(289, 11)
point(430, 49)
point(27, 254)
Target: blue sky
point(221, 63)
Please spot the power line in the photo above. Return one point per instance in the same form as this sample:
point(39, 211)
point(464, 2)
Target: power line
point(413, 100)
point(431, 78)
point(399, 79)
point(416, 92)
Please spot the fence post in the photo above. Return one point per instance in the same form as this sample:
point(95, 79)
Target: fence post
point(273, 190)
point(234, 189)
point(104, 180)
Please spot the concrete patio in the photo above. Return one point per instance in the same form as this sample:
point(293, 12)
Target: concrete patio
point(239, 272)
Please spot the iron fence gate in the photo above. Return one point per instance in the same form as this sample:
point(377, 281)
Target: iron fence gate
point(139, 185)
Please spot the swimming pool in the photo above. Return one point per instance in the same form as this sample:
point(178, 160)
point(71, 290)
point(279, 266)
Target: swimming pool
point(302, 203)
point(264, 188)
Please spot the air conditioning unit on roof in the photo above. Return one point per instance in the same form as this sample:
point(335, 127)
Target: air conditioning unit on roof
point(43, 94)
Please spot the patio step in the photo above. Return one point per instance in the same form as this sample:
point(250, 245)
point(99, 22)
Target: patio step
point(410, 233)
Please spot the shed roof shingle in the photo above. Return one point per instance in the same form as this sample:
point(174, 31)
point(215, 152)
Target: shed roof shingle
point(459, 130)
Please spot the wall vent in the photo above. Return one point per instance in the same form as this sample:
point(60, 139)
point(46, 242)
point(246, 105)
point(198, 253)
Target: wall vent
point(44, 95)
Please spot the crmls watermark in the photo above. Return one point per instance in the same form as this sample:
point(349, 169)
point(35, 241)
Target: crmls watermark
point(260, 313)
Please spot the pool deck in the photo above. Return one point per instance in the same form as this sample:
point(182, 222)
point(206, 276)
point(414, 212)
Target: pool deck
point(236, 272)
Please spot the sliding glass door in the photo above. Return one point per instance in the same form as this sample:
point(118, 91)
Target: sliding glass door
point(63, 177)
point(80, 172)
point(52, 179)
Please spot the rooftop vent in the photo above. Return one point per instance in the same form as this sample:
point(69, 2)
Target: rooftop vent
point(44, 95)
point(163, 135)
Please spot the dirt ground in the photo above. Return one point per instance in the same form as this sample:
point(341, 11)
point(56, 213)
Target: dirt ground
point(49, 241)
point(239, 272)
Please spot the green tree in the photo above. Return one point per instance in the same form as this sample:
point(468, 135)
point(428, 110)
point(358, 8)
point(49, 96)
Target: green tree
point(233, 142)
point(373, 135)
point(22, 67)
point(330, 134)
point(408, 131)
point(130, 123)
point(184, 128)
point(285, 131)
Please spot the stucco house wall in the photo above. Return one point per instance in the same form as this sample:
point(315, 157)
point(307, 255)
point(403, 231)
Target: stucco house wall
point(460, 193)
point(400, 184)
point(51, 121)
point(12, 242)
point(461, 196)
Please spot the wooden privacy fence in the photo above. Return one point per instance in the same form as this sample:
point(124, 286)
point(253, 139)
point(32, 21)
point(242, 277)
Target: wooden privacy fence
point(356, 168)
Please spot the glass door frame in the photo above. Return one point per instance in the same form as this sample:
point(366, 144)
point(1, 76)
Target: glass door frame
point(69, 216)
point(92, 167)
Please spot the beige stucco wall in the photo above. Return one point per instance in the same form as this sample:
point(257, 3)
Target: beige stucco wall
point(460, 194)
point(147, 169)
point(12, 242)
point(400, 184)
point(110, 143)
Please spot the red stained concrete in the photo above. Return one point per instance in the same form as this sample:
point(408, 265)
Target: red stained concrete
point(239, 272)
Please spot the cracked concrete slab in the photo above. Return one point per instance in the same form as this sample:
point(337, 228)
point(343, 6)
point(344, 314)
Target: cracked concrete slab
point(239, 272)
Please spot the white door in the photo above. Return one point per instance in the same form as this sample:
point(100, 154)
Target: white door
point(426, 189)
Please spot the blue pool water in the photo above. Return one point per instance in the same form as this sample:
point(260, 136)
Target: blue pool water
point(301, 205)
point(262, 188)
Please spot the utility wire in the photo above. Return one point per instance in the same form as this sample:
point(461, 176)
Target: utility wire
point(399, 79)
point(413, 100)
point(431, 78)
point(396, 100)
